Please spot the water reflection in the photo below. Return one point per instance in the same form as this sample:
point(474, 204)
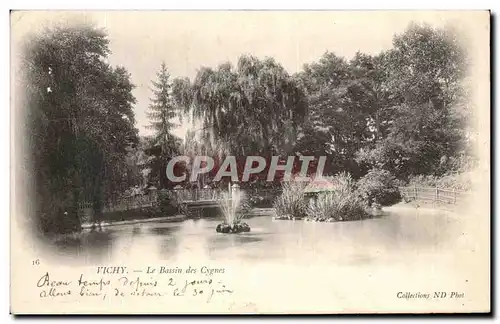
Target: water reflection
point(224, 241)
point(391, 237)
point(162, 230)
point(95, 247)
point(136, 230)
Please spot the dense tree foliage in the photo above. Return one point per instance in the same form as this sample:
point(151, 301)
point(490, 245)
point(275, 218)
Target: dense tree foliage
point(402, 110)
point(79, 122)
point(425, 74)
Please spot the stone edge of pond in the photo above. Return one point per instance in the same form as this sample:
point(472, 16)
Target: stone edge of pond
point(177, 218)
point(164, 219)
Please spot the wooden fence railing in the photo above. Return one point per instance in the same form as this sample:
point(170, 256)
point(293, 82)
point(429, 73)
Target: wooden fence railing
point(438, 195)
point(181, 195)
point(178, 195)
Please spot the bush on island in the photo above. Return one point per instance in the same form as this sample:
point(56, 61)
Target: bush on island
point(340, 204)
point(378, 188)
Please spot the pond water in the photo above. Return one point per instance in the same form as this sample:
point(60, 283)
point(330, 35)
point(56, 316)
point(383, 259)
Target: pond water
point(391, 237)
point(294, 266)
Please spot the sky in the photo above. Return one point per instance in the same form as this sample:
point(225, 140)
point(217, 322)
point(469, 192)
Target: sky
point(186, 40)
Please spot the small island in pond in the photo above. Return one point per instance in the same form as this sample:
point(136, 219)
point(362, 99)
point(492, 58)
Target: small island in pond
point(240, 227)
point(337, 198)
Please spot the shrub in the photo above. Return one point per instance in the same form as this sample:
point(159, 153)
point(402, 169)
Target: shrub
point(461, 163)
point(262, 200)
point(291, 202)
point(379, 186)
point(341, 204)
point(167, 203)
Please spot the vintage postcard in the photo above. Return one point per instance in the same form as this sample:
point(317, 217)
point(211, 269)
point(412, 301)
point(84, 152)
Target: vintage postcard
point(250, 162)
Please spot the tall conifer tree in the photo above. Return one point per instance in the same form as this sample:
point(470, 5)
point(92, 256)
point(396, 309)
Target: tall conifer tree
point(162, 111)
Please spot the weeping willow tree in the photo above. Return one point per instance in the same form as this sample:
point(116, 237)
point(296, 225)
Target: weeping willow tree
point(254, 108)
point(199, 142)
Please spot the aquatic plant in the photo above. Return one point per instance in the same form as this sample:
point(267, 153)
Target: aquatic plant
point(342, 203)
point(291, 202)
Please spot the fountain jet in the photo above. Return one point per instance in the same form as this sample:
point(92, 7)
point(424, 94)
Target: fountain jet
point(230, 204)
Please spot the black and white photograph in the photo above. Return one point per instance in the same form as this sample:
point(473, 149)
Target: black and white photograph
point(250, 162)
